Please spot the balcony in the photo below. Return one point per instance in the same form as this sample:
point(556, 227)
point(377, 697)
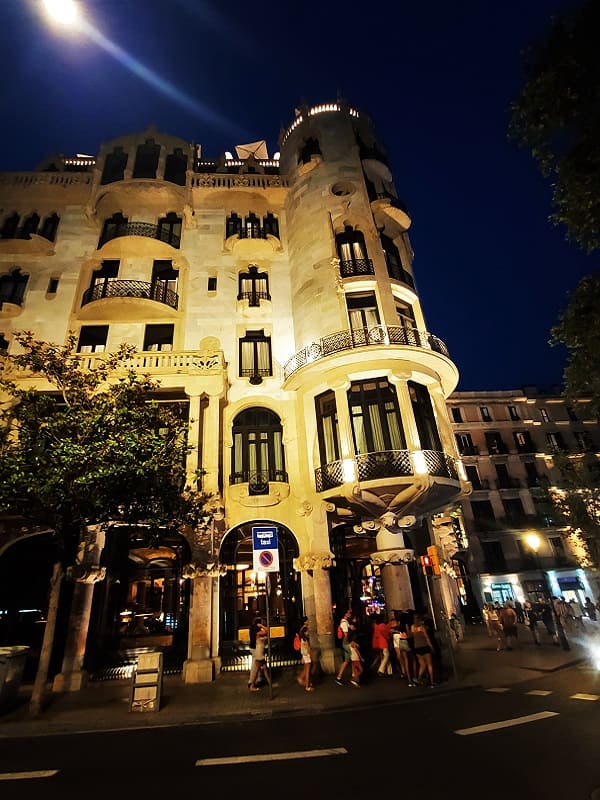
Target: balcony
point(139, 289)
point(380, 465)
point(258, 480)
point(254, 297)
point(399, 274)
point(469, 450)
point(357, 267)
point(146, 229)
point(363, 337)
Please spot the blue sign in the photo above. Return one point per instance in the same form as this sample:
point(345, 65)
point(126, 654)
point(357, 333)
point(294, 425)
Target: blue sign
point(265, 548)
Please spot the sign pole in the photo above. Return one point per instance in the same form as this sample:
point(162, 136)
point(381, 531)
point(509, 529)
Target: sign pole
point(267, 592)
point(265, 558)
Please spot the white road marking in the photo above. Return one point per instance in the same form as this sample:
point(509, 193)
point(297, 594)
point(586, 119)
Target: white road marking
point(583, 696)
point(506, 723)
point(329, 751)
point(19, 776)
point(498, 690)
point(539, 692)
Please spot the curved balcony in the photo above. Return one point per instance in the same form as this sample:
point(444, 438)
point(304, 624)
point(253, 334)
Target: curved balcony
point(384, 464)
point(363, 337)
point(138, 289)
point(356, 267)
point(146, 229)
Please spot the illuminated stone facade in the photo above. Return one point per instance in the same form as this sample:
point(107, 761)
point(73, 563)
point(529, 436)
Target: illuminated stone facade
point(277, 298)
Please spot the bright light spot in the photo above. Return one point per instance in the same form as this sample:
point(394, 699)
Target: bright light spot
point(419, 463)
point(533, 541)
point(65, 12)
point(348, 470)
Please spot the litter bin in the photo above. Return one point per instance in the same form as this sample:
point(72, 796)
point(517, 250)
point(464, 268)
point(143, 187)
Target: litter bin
point(12, 664)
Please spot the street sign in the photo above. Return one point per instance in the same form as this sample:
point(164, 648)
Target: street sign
point(265, 548)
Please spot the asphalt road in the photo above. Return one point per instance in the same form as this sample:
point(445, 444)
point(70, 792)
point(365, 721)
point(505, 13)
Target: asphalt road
point(538, 739)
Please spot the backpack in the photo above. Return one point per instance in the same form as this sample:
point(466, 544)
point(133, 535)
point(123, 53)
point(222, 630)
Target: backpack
point(340, 632)
point(296, 643)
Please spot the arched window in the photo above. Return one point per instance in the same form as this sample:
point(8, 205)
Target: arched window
point(9, 229)
point(12, 287)
point(352, 252)
point(257, 456)
point(146, 160)
point(49, 227)
point(253, 286)
point(309, 148)
point(233, 225)
point(113, 227)
point(30, 225)
point(271, 225)
point(114, 166)
point(424, 417)
point(102, 279)
point(169, 229)
point(252, 226)
point(176, 167)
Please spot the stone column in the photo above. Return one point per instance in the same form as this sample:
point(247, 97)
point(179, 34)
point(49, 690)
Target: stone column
point(85, 572)
point(193, 461)
point(411, 433)
point(315, 570)
point(344, 423)
point(392, 558)
point(444, 424)
point(211, 425)
point(200, 665)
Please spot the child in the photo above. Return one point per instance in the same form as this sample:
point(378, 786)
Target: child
point(356, 659)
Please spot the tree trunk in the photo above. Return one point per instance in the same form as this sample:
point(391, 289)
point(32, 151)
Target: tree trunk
point(36, 704)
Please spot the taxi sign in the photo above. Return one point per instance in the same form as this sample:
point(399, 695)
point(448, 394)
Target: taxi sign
point(265, 548)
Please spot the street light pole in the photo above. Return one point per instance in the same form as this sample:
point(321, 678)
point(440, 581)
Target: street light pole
point(534, 541)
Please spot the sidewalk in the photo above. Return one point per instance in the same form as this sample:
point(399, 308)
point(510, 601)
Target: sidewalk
point(104, 706)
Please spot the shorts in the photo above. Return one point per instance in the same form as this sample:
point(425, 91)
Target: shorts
point(306, 659)
point(347, 652)
point(403, 645)
point(422, 651)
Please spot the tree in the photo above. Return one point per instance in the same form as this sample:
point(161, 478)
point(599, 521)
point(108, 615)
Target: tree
point(81, 446)
point(578, 329)
point(557, 117)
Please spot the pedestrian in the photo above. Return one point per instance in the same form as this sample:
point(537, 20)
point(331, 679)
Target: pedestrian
point(531, 619)
point(380, 642)
point(306, 656)
point(496, 626)
point(485, 613)
point(590, 609)
point(261, 661)
point(519, 611)
point(423, 650)
point(346, 625)
point(255, 626)
point(402, 641)
point(577, 614)
point(356, 659)
point(455, 626)
point(508, 620)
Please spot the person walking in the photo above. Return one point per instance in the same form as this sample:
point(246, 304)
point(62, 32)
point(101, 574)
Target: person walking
point(590, 609)
point(380, 642)
point(532, 618)
point(496, 626)
point(306, 657)
point(577, 614)
point(356, 659)
point(423, 650)
point(346, 625)
point(255, 626)
point(261, 661)
point(520, 612)
point(402, 641)
point(508, 620)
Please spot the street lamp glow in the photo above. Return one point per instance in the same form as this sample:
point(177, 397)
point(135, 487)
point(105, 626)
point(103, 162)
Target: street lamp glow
point(65, 12)
point(534, 541)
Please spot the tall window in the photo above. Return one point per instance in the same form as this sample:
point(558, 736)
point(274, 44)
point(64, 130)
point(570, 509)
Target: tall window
point(176, 167)
point(30, 225)
point(405, 314)
point(555, 441)
point(524, 442)
point(12, 287)
point(392, 259)
point(473, 476)
point(92, 339)
point(363, 315)
point(103, 277)
point(9, 228)
point(252, 226)
point(257, 456)
point(327, 427)
point(352, 253)
point(233, 225)
point(169, 229)
point(146, 160)
point(513, 413)
point(114, 166)
point(495, 443)
point(544, 415)
point(424, 416)
point(375, 416)
point(456, 414)
point(485, 414)
point(49, 227)
point(253, 286)
point(158, 337)
point(164, 281)
point(255, 356)
point(584, 441)
point(271, 225)
point(465, 444)
point(113, 227)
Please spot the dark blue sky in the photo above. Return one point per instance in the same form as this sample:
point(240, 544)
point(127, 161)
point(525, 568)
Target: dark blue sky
point(436, 77)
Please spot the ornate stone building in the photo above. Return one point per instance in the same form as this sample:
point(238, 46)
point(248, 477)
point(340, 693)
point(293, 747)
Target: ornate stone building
point(276, 297)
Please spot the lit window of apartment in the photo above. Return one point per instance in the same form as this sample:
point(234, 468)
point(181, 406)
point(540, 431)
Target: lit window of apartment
point(257, 455)
point(513, 413)
point(555, 441)
point(92, 339)
point(375, 416)
point(465, 445)
point(495, 443)
point(255, 360)
point(544, 415)
point(524, 442)
point(352, 252)
point(158, 337)
point(253, 286)
point(456, 414)
point(584, 441)
point(485, 413)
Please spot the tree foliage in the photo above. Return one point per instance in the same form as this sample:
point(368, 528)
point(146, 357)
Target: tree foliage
point(91, 445)
point(557, 117)
point(578, 329)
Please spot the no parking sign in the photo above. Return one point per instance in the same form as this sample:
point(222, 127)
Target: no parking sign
point(265, 548)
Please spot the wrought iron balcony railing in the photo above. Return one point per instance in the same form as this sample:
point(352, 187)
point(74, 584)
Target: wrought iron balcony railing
point(397, 273)
point(357, 266)
point(258, 480)
point(117, 288)
point(147, 229)
point(363, 337)
point(382, 464)
point(254, 298)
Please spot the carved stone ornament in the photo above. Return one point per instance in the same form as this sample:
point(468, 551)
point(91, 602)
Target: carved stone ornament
point(203, 571)
point(384, 557)
point(310, 561)
point(305, 509)
point(80, 573)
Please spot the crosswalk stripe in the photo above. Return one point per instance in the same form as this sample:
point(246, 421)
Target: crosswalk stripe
point(584, 696)
point(506, 723)
point(498, 689)
point(213, 762)
point(539, 692)
point(19, 776)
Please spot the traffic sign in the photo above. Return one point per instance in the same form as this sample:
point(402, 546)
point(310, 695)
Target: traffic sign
point(265, 548)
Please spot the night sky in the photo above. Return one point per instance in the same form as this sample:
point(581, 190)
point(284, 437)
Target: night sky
point(436, 77)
